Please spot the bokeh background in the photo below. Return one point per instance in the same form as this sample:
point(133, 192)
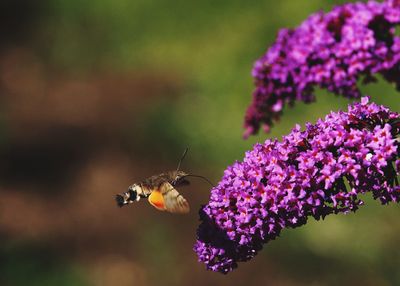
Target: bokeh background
point(95, 95)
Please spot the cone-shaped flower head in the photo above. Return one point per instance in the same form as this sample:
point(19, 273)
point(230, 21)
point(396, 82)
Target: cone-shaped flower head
point(330, 51)
point(315, 172)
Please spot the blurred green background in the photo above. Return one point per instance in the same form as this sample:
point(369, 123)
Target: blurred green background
point(95, 95)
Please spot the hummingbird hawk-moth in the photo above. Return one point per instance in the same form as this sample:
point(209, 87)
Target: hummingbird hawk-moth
point(160, 191)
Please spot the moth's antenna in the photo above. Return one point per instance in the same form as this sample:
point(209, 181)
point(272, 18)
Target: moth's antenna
point(191, 175)
point(204, 178)
point(183, 157)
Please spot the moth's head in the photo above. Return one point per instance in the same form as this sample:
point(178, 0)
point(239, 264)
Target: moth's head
point(127, 197)
point(180, 174)
point(179, 178)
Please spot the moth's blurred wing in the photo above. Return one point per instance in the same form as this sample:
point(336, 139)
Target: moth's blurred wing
point(173, 201)
point(156, 199)
point(181, 183)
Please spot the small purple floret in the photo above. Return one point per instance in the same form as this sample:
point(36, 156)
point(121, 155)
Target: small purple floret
point(315, 172)
point(331, 51)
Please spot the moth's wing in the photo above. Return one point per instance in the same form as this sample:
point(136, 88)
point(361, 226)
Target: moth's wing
point(174, 202)
point(156, 199)
point(167, 198)
point(181, 182)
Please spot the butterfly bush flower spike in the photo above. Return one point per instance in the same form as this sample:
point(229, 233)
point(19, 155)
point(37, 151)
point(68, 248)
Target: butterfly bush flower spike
point(331, 51)
point(312, 173)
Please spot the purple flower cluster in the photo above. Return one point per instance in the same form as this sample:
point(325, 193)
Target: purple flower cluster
point(315, 172)
point(331, 51)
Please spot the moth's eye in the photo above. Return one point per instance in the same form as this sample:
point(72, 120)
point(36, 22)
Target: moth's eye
point(132, 194)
